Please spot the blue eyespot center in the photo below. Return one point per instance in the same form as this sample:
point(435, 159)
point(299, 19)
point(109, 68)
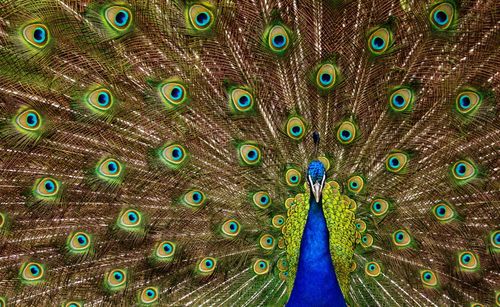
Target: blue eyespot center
point(82, 240)
point(497, 238)
point(39, 35)
point(371, 267)
point(118, 276)
point(364, 239)
point(176, 153)
point(378, 43)
point(50, 186)
point(244, 101)
point(132, 217)
point(121, 18)
point(441, 210)
point(197, 196)
point(427, 276)
point(269, 241)
point(466, 258)
point(35, 271)
point(354, 184)
point(465, 102)
point(460, 169)
point(279, 41)
point(326, 79)
point(345, 135)
point(262, 264)
point(209, 264)
point(32, 119)
point(103, 99)
point(294, 179)
point(252, 154)
point(398, 101)
point(233, 227)
point(399, 236)
point(112, 167)
point(150, 293)
point(440, 17)
point(167, 247)
point(264, 200)
point(377, 206)
point(394, 162)
point(202, 19)
point(296, 130)
point(176, 93)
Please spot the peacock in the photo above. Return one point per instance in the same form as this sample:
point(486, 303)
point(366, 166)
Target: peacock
point(249, 153)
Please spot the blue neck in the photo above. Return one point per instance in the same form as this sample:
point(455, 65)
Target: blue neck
point(315, 283)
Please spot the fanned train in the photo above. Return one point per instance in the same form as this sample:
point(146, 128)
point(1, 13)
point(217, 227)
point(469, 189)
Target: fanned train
point(249, 153)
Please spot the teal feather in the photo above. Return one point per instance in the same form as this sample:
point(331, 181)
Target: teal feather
point(199, 119)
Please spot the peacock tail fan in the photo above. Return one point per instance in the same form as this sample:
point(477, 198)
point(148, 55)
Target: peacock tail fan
point(156, 152)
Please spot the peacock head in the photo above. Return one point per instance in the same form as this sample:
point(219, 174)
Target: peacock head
point(316, 176)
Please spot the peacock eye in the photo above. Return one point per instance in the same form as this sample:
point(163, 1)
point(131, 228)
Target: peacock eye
point(118, 17)
point(261, 266)
point(207, 265)
point(267, 242)
point(396, 162)
point(467, 102)
point(346, 132)
point(32, 273)
point(173, 93)
point(261, 199)
point(148, 295)
point(278, 221)
point(173, 155)
point(278, 38)
point(295, 128)
point(100, 100)
point(241, 100)
point(165, 250)
point(194, 198)
point(115, 280)
point(109, 169)
point(79, 242)
point(428, 278)
point(494, 239)
point(401, 100)
point(200, 17)
point(249, 154)
point(463, 171)
point(70, 304)
point(443, 212)
point(231, 228)
point(355, 184)
point(3, 219)
point(360, 225)
point(468, 261)
point(326, 76)
point(442, 16)
point(379, 41)
point(130, 220)
point(29, 120)
point(372, 269)
point(293, 177)
point(401, 238)
point(46, 188)
point(379, 207)
point(37, 35)
point(366, 240)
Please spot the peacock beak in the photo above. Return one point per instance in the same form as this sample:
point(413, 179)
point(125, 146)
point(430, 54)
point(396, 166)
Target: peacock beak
point(317, 188)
